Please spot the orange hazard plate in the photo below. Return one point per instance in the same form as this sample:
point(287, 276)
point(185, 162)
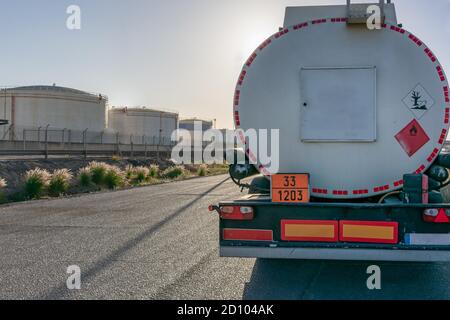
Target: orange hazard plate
point(290, 188)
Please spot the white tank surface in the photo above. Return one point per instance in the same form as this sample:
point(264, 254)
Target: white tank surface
point(58, 107)
point(356, 109)
point(142, 121)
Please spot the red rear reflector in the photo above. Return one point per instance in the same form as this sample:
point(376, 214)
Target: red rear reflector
point(309, 230)
point(436, 216)
point(368, 231)
point(247, 235)
point(236, 213)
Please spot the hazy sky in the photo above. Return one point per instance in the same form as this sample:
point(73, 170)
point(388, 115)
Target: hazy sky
point(182, 55)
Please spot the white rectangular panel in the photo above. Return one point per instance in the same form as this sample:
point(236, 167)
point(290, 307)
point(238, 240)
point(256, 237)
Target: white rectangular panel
point(338, 104)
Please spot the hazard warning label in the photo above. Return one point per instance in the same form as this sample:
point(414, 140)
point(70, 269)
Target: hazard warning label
point(412, 138)
point(418, 101)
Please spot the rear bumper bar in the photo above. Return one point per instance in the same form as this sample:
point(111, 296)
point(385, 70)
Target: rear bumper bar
point(336, 254)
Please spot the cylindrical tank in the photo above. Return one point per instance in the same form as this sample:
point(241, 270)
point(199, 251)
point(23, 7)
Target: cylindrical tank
point(196, 128)
point(356, 109)
point(58, 107)
point(141, 121)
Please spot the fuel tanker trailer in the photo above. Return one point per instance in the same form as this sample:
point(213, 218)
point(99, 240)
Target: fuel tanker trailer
point(362, 107)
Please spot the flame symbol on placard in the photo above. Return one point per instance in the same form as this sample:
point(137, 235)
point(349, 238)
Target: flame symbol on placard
point(413, 131)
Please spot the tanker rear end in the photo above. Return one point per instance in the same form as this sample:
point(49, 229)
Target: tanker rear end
point(363, 114)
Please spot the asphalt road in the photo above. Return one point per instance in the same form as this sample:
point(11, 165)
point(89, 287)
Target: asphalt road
point(160, 242)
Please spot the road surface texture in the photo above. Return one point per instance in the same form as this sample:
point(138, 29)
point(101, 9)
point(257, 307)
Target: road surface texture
point(160, 242)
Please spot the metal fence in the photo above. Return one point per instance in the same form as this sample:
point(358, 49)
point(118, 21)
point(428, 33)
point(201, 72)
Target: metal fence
point(47, 140)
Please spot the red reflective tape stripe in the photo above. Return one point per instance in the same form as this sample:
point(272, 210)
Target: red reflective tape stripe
point(237, 118)
point(251, 155)
point(421, 169)
point(247, 235)
point(237, 95)
point(359, 192)
point(265, 44)
point(251, 59)
point(319, 21)
point(443, 136)
point(340, 192)
point(399, 30)
point(433, 155)
point(430, 54)
point(301, 25)
point(320, 191)
point(415, 39)
point(381, 188)
point(440, 73)
point(242, 77)
point(281, 33)
point(398, 183)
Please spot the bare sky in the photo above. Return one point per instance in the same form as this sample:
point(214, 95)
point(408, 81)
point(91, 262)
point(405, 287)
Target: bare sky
point(182, 55)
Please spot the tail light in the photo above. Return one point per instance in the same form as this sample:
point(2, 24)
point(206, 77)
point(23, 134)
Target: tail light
point(437, 215)
point(236, 213)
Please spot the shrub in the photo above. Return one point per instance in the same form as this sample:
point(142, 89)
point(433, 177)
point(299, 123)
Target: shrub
point(36, 181)
point(129, 172)
point(153, 171)
point(114, 177)
point(141, 173)
point(216, 169)
point(59, 182)
point(98, 171)
point(202, 170)
point(84, 177)
point(174, 172)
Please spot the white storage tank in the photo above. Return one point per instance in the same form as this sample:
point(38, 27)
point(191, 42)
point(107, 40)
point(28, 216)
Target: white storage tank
point(196, 128)
point(190, 124)
point(356, 108)
point(58, 107)
point(142, 121)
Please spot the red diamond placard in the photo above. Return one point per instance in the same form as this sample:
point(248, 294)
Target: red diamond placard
point(412, 138)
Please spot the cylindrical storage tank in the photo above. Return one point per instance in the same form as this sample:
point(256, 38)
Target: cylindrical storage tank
point(155, 125)
point(356, 109)
point(196, 128)
point(194, 123)
point(56, 107)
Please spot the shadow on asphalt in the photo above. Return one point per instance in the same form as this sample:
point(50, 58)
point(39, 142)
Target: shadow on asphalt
point(61, 291)
point(336, 280)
